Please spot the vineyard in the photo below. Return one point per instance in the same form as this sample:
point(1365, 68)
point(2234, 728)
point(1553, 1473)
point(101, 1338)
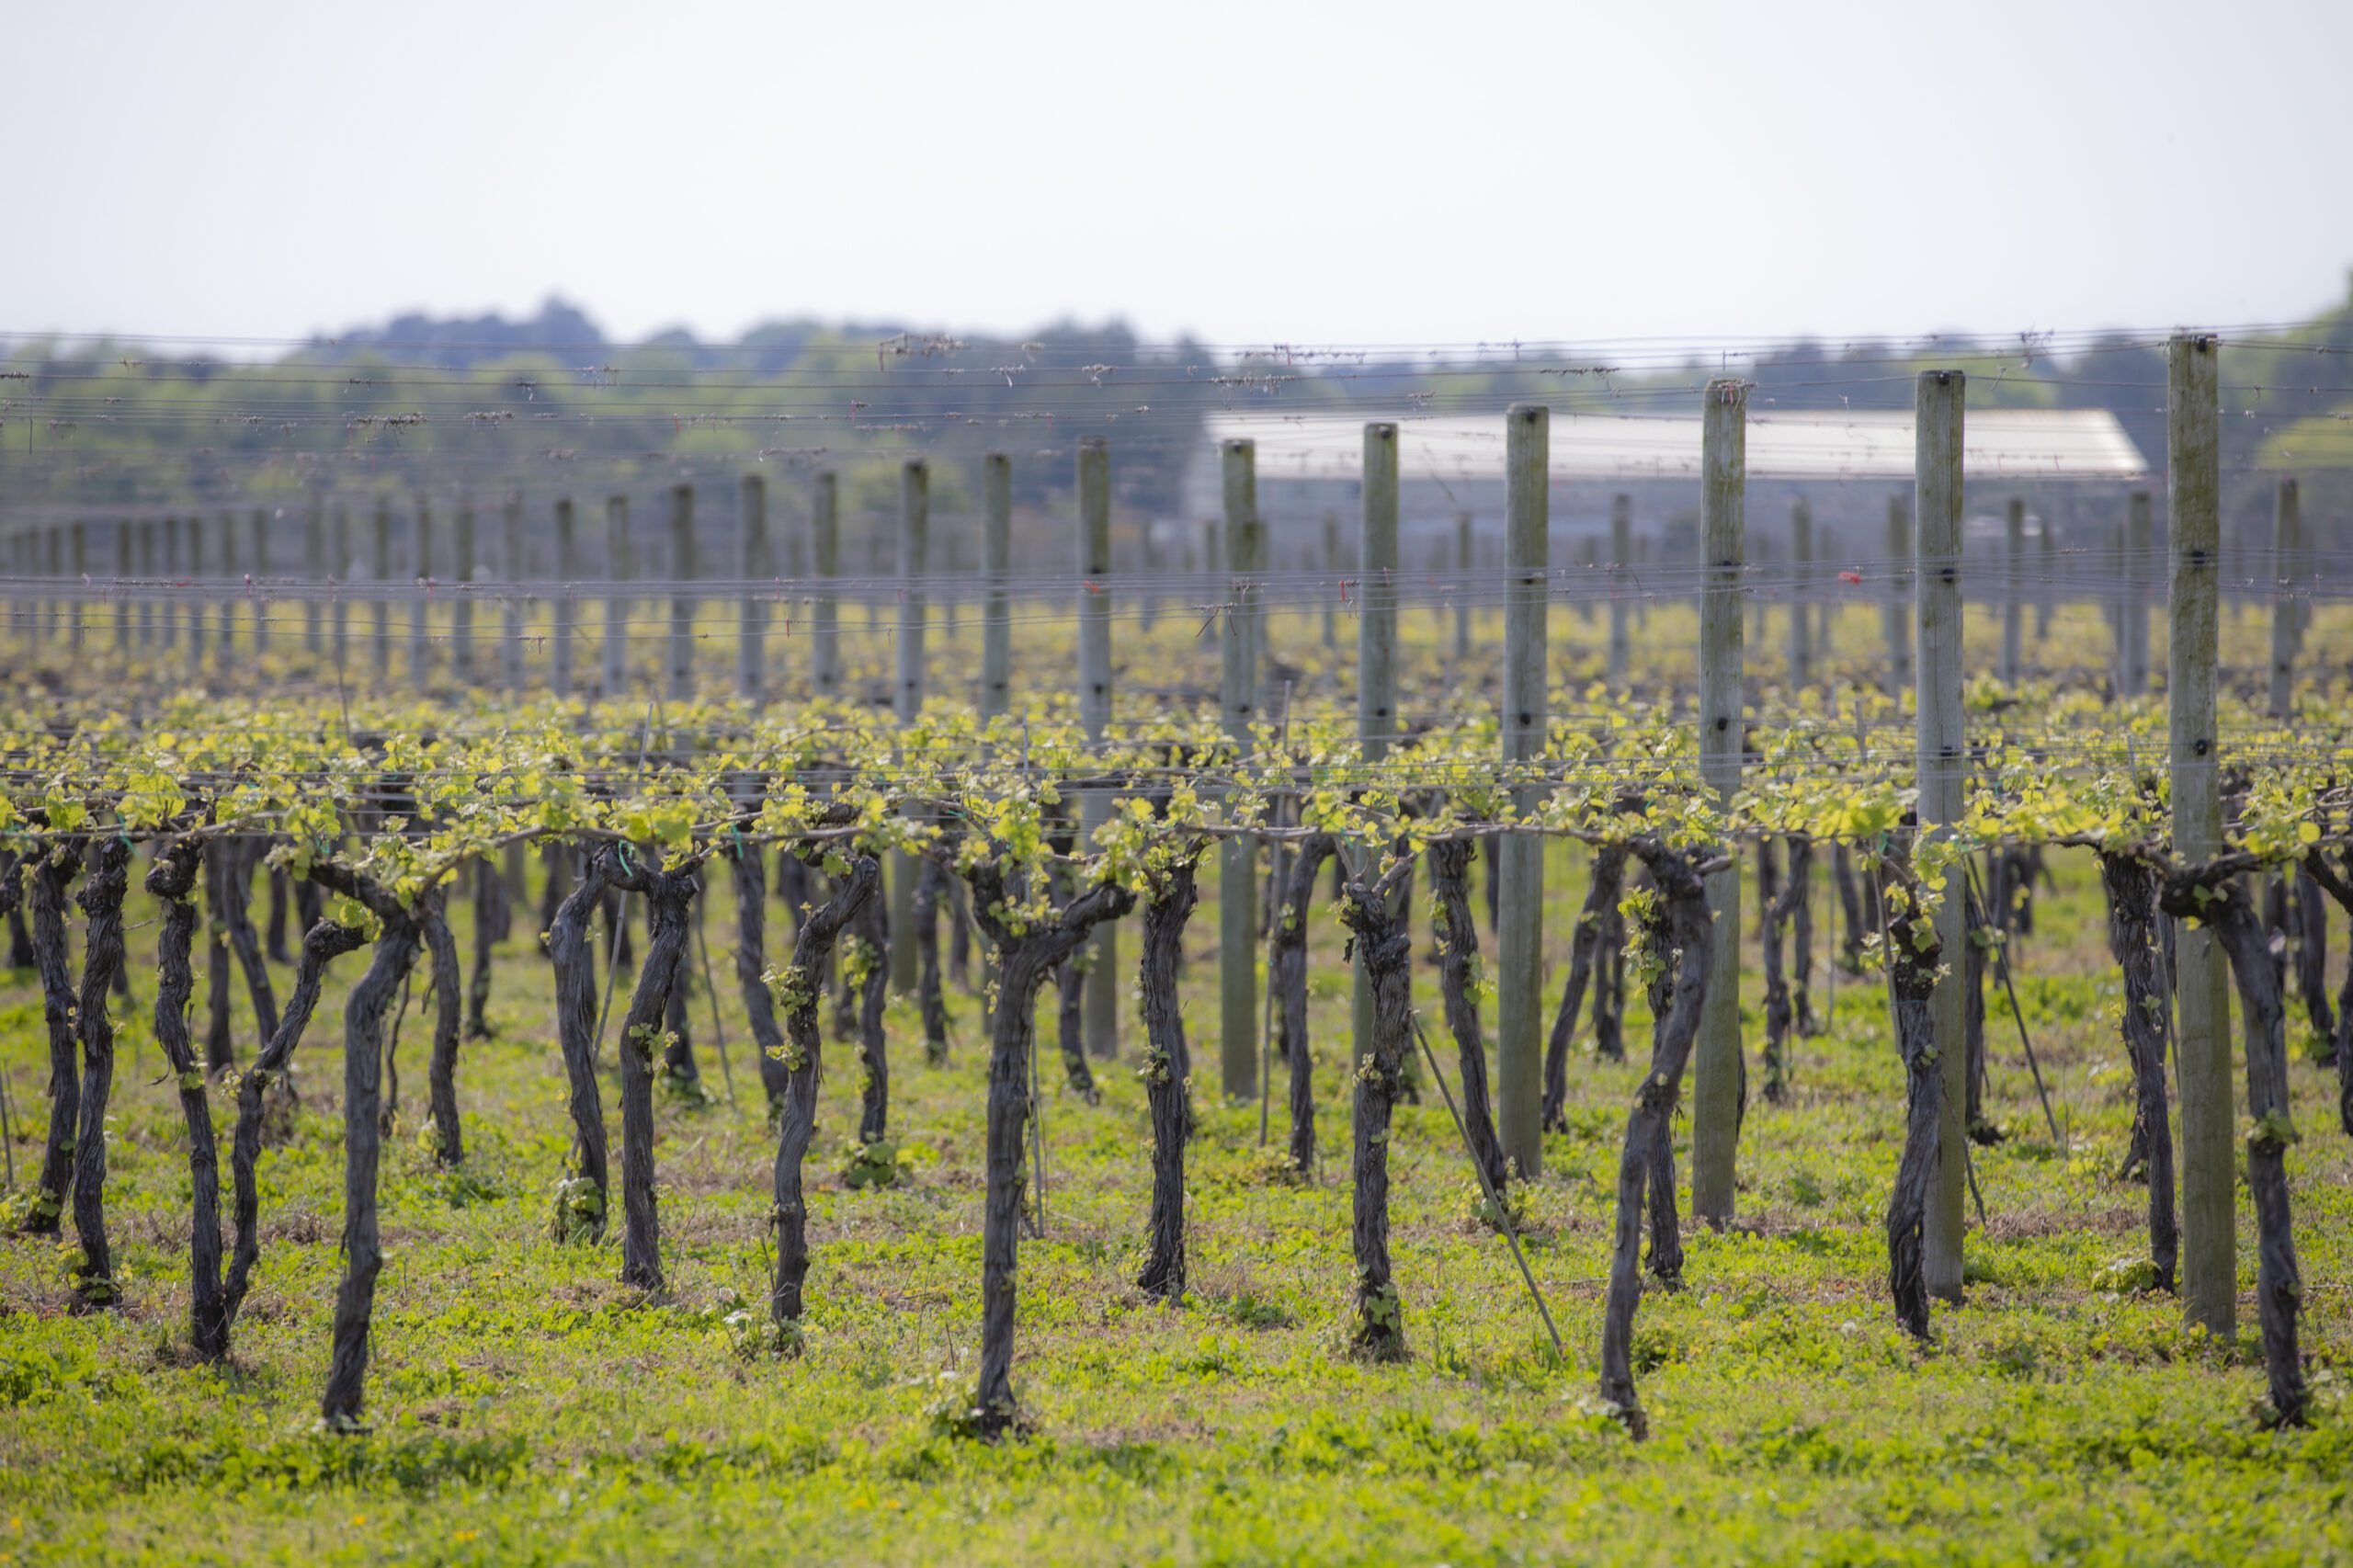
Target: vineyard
point(1110, 1041)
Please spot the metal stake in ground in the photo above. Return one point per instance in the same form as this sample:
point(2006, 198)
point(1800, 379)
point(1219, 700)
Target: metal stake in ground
point(1495, 1200)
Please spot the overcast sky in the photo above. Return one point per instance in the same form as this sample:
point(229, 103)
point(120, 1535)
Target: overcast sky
point(1273, 171)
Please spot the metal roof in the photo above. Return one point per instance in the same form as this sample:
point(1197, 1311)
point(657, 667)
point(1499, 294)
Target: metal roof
point(1997, 443)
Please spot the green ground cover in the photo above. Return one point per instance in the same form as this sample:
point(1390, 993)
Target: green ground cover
point(528, 1408)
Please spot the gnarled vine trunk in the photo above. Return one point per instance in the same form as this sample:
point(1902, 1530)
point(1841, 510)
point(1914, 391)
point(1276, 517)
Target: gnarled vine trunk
point(1166, 911)
point(581, 1200)
point(680, 1071)
point(1287, 983)
point(1593, 928)
point(2131, 886)
point(1069, 1026)
point(323, 943)
point(1800, 894)
point(1025, 958)
point(449, 1009)
point(172, 880)
point(1459, 972)
point(799, 1056)
point(1609, 986)
point(102, 894)
point(53, 872)
point(2341, 890)
point(668, 895)
point(275, 932)
point(1690, 935)
point(1664, 1260)
point(219, 1037)
point(872, 928)
point(1913, 954)
point(931, 883)
point(2311, 964)
point(12, 905)
point(1382, 947)
point(363, 1043)
point(2202, 893)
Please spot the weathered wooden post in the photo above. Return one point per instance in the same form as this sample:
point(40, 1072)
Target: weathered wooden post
point(77, 540)
point(420, 608)
point(2209, 1223)
point(380, 564)
point(1376, 646)
point(146, 539)
point(200, 614)
point(1238, 893)
point(1718, 1070)
point(173, 576)
point(260, 573)
point(314, 570)
point(339, 612)
point(461, 602)
point(55, 630)
point(1826, 620)
point(2111, 605)
point(1148, 591)
point(1331, 575)
point(1464, 584)
point(914, 533)
point(510, 556)
point(996, 566)
point(563, 610)
point(122, 617)
point(2047, 555)
point(1642, 601)
point(752, 565)
point(1520, 858)
point(825, 565)
point(230, 574)
point(620, 568)
point(2287, 548)
point(1105, 985)
point(2013, 591)
point(2133, 629)
point(683, 569)
point(1801, 590)
point(1940, 762)
point(1896, 614)
point(1622, 587)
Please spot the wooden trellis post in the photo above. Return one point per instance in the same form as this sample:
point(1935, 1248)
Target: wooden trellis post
point(1940, 765)
point(1520, 858)
point(2209, 1111)
point(1238, 861)
point(1106, 986)
point(1717, 1068)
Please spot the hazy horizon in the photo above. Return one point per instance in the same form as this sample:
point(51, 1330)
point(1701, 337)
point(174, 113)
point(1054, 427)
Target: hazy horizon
point(1238, 174)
